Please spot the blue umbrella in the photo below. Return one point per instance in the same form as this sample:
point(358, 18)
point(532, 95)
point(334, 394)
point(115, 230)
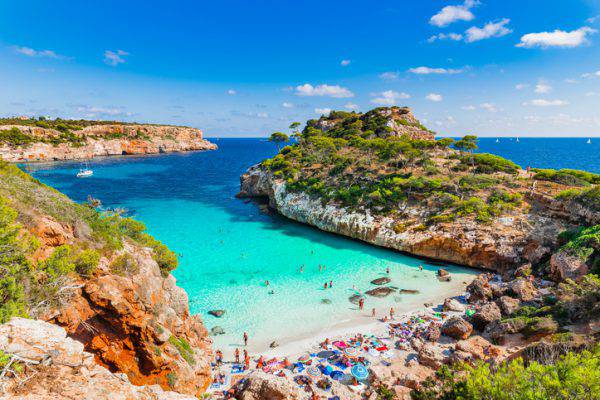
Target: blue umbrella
point(327, 370)
point(337, 375)
point(360, 372)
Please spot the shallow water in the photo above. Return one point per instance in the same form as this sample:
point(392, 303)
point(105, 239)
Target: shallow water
point(228, 248)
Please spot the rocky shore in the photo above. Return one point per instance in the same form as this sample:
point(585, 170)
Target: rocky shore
point(504, 244)
point(102, 140)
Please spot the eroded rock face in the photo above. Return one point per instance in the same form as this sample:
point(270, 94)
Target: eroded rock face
point(451, 304)
point(59, 368)
point(523, 289)
point(500, 246)
point(508, 305)
point(132, 139)
point(487, 313)
point(565, 266)
point(140, 325)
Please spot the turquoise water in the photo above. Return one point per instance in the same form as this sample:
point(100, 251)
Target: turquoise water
point(228, 248)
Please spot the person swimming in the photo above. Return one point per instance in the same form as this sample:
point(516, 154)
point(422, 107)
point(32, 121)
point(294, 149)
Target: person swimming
point(387, 270)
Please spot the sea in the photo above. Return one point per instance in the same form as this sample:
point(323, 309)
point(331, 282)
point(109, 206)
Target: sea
point(229, 248)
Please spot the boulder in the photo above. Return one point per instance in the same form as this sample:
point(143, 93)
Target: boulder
point(523, 271)
point(497, 330)
point(433, 356)
point(354, 299)
point(442, 272)
point(457, 328)
point(381, 281)
point(274, 344)
point(434, 334)
point(451, 304)
point(380, 291)
point(446, 278)
point(259, 385)
point(217, 313)
point(498, 290)
point(217, 330)
point(565, 266)
point(522, 289)
point(487, 313)
point(325, 301)
point(479, 290)
point(508, 305)
point(477, 347)
point(409, 291)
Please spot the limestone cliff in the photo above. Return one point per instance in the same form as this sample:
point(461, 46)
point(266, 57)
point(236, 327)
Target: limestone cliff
point(47, 144)
point(106, 282)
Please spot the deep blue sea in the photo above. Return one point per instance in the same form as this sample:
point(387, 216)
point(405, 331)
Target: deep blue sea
point(228, 248)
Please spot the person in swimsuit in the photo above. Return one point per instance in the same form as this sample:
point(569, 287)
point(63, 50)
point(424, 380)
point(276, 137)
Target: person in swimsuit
point(245, 339)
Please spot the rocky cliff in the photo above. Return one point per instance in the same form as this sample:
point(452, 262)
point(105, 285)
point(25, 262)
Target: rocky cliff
point(107, 284)
point(47, 144)
point(354, 175)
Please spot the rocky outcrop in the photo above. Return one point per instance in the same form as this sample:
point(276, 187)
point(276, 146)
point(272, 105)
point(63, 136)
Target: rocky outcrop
point(54, 366)
point(105, 140)
point(457, 328)
point(501, 245)
point(140, 325)
point(565, 266)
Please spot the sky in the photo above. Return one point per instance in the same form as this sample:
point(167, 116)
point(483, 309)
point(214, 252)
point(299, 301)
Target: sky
point(247, 68)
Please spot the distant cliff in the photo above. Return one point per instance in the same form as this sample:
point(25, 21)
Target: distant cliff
point(72, 140)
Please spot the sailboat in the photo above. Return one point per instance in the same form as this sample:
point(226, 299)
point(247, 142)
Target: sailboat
point(85, 171)
point(497, 140)
point(589, 141)
point(517, 140)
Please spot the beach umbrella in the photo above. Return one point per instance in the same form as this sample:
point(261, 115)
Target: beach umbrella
point(360, 372)
point(351, 352)
point(313, 372)
point(304, 358)
point(327, 370)
point(337, 375)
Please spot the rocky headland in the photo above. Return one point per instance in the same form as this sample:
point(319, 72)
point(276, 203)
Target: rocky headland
point(106, 319)
point(364, 176)
point(79, 140)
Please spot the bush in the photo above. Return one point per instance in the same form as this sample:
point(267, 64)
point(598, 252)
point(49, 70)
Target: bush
point(59, 263)
point(184, 348)
point(14, 137)
point(86, 262)
point(490, 163)
point(570, 177)
point(574, 376)
point(124, 265)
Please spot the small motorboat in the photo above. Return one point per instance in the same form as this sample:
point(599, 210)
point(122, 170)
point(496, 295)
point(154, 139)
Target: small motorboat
point(85, 171)
point(589, 141)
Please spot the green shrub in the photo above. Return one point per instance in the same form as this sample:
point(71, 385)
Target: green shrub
point(490, 163)
point(14, 137)
point(59, 263)
point(570, 177)
point(184, 348)
point(124, 265)
point(86, 262)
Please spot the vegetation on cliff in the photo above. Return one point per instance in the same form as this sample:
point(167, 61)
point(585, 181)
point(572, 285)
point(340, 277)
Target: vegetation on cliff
point(358, 161)
point(33, 281)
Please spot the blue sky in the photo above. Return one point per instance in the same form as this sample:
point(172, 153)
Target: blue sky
point(248, 68)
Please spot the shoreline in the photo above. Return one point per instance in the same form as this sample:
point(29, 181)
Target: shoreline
point(294, 345)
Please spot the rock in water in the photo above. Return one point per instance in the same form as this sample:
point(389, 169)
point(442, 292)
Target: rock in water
point(409, 291)
point(326, 301)
point(217, 313)
point(442, 272)
point(274, 344)
point(217, 330)
point(355, 298)
point(381, 281)
point(380, 291)
point(451, 304)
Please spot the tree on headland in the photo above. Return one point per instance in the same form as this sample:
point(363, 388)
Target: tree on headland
point(295, 131)
point(278, 138)
point(444, 142)
point(467, 143)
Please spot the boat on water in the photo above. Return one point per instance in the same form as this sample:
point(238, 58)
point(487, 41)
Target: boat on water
point(85, 171)
point(497, 140)
point(589, 141)
point(517, 140)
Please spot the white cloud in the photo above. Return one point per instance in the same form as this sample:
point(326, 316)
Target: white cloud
point(521, 86)
point(429, 70)
point(591, 94)
point(115, 58)
point(389, 76)
point(29, 52)
point(285, 104)
point(335, 91)
point(323, 111)
point(543, 88)
point(446, 36)
point(591, 74)
point(546, 103)
point(388, 98)
point(592, 19)
point(95, 111)
point(351, 106)
point(434, 97)
point(345, 63)
point(570, 80)
point(557, 38)
point(231, 92)
point(469, 108)
point(489, 30)
point(450, 14)
point(491, 107)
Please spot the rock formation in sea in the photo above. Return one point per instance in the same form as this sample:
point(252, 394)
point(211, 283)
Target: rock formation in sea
point(77, 142)
point(352, 174)
point(102, 281)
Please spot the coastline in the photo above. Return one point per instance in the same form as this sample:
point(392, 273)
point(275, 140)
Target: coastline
point(294, 345)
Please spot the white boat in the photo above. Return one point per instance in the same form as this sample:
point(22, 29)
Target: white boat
point(517, 140)
point(497, 140)
point(589, 141)
point(85, 171)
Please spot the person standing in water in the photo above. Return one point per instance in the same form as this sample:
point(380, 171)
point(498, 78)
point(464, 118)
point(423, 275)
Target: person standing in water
point(237, 356)
point(245, 339)
point(373, 313)
point(391, 312)
point(325, 285)
point(361, 304)
point(330, 284)
point(387, 270)
point(420, 268)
